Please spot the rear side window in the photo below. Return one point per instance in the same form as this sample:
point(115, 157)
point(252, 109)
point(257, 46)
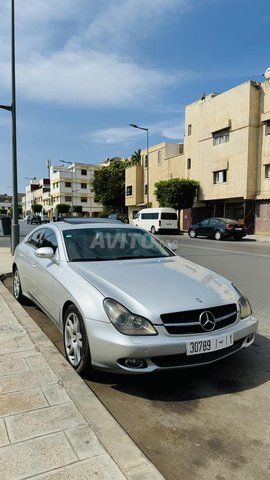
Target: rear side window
point(36, 238)
point(168, 216)
point(150, 216)
point(48, 240)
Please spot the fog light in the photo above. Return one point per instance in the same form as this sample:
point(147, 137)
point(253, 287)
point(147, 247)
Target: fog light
point(134, 363)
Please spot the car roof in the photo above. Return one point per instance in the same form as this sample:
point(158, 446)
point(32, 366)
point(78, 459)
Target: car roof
point(90, 220)
point(84, 225)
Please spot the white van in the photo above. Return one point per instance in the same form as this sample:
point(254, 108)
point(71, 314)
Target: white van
point(156, 219)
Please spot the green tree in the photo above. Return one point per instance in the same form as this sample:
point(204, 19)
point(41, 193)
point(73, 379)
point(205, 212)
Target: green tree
point(36, 207)
point(135, 158)
point(177, 193)
point(109, 186)
point(62, 208)
point(77, 209)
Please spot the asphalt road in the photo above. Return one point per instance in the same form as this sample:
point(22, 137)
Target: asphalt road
point(204, 423)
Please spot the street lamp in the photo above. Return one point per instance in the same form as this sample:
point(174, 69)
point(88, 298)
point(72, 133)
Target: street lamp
point(15, 232)
point(71, 171)
point(147, 154)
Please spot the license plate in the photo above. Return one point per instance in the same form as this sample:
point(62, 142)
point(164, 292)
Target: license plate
point(209, 344)
point(238, 228)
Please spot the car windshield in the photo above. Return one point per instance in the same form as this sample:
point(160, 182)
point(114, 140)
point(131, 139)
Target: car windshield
point(84, 245)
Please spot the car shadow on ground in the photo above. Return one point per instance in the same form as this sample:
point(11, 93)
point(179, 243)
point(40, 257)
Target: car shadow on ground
point(242, 371)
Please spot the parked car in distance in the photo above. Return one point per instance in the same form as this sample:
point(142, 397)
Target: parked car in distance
point(218, 228)
point(119, 216)
point(157, 219)
point(45, 219)
point(125, 302)
point(34, 219)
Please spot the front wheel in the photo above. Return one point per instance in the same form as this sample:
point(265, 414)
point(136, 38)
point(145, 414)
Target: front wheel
point(192, 233)
point(17, 288)
point(76, 341)
point(217, 235)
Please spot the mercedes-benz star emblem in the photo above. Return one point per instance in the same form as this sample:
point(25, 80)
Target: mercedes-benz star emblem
point(207, 320)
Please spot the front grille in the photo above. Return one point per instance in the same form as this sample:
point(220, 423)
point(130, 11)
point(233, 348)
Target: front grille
point(185, 323)
point(183, 360)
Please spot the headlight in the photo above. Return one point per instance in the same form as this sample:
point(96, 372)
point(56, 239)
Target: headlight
point(125, 321)
point(245, 307)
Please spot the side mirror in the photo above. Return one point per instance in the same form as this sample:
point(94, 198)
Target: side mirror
point(44, 252)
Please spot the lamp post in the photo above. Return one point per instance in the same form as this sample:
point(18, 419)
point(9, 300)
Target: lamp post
point(15, 231)
point(71, 171)
point(147, 153)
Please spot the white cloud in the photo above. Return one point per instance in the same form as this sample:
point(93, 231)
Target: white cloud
point(121, 135)
point(87, 79)
point(123, 23)
point(82, 53)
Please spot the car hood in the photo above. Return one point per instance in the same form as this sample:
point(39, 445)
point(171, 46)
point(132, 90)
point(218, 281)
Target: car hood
point(150, 287)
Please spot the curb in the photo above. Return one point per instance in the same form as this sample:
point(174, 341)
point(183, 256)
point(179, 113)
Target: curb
point(126, 454)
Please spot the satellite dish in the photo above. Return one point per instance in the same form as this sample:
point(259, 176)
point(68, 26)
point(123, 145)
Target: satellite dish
point(267, 73)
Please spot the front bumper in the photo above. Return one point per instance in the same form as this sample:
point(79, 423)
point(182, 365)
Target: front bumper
point(110, 349)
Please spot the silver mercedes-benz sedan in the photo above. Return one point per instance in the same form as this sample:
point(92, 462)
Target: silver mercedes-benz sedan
point(125, 302)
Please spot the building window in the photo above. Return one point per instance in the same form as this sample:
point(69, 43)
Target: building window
point(220, 176)
point(83, 199)
point(222, 136)
point(84, 185)
point(267, 127)
point(129, 190)
point(67, 199)
point(145, 161)
point(83, 172)
point(267, 170)
point(67, 184)
point(145, 189)
point(159, 157)
point(188, 163)
point(189, 129)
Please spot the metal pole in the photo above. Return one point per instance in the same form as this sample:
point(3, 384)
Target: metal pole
point(15, 232)
point(147, 152)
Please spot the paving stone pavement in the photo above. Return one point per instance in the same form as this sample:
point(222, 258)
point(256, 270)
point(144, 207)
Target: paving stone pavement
point(52, 426)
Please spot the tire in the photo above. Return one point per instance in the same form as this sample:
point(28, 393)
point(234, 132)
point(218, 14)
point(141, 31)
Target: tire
point(217, 235)
point(17, 288)
point(76, 341)
point(153, 230)
point(192, 233)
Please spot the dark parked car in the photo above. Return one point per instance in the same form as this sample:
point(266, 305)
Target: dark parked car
point(218, 228)
point(34, 219)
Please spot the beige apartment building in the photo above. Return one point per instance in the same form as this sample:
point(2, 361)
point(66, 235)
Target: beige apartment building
point(227, 149)
point(164, 161)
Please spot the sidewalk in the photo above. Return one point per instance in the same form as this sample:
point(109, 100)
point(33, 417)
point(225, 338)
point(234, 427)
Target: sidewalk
point(52, 426)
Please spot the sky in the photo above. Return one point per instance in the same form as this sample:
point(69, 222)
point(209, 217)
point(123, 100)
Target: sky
point(86, 69)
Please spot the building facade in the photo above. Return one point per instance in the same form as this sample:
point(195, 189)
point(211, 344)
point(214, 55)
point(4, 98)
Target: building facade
point(164, 161)
point(72, 185)
point(226, 149)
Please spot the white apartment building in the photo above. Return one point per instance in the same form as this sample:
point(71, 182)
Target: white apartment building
point(72, 184)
